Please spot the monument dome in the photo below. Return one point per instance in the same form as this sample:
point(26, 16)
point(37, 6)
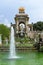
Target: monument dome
point(21, 10)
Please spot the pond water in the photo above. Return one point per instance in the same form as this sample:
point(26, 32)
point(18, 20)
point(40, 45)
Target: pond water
point(26, 58)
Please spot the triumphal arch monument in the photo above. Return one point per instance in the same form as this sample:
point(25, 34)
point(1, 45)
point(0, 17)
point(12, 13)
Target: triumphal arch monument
point(22, 26)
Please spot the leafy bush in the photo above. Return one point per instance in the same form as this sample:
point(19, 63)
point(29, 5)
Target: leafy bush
point(41, 48)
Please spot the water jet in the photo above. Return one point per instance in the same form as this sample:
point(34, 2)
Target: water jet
point(12, 54)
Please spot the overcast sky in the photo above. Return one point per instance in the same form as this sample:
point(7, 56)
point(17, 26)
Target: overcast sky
point(8, 9)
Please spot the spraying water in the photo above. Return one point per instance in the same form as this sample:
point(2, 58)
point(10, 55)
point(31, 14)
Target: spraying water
point(12, 44)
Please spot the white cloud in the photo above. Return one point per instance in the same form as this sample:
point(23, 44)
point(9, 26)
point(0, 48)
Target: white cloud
point(10, 7)
point(1, 16)
point(4, 20)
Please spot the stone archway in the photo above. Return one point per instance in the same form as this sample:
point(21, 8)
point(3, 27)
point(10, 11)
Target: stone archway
point(21, 20)
point(22, 26)
point(21, 29)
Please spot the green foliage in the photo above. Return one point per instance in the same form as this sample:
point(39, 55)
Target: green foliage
point(24, 39)
point(24, 42)
point(38, 26)
point(5, 31)
point(41, 48)
point(24, 45)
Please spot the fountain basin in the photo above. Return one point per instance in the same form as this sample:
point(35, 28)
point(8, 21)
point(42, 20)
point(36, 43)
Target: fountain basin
point(26, 58)
point(14, 57)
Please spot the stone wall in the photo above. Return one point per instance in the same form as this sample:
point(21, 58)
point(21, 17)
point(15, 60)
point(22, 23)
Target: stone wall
point(33, 34)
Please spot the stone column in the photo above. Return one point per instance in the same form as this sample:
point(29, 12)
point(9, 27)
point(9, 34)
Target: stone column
point(17, 25)
point(26, 27)
point(32, 26)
